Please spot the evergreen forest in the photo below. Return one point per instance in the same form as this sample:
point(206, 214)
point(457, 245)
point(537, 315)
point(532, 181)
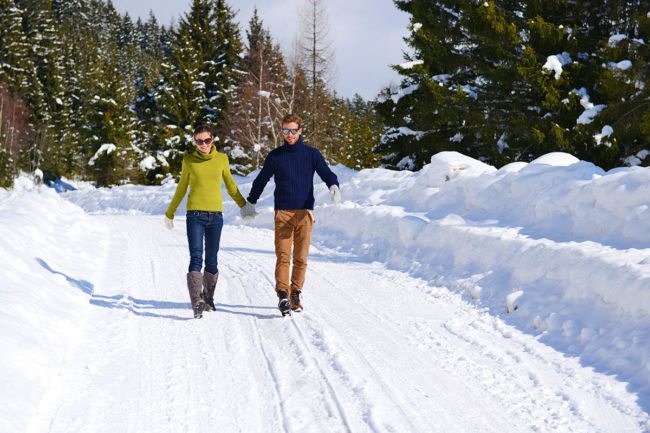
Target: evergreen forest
point(88, 93)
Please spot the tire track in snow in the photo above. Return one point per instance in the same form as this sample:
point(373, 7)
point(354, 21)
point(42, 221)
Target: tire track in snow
point(281, 412)
point(301, 345)
point(274, 374)
point(386, 388)
point(270, 370)
point(494, 364)
point(329, 364)
point(324, 377)
point(357, 386)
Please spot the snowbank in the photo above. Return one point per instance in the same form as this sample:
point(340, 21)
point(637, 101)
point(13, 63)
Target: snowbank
point(49, 251)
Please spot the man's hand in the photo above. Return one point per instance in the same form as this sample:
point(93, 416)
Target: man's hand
point(336, 193)
point(169, 223)
point(248, 212)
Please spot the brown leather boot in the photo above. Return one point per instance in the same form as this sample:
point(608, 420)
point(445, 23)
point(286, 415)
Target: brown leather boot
point(296, 304)
point(209, 285)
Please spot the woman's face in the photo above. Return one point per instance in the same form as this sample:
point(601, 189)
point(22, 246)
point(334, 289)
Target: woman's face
point(203, 142)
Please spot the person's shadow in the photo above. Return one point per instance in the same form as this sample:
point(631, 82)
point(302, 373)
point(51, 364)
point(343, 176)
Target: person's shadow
point(149, 307)
point(230, 309)
point(141, 307)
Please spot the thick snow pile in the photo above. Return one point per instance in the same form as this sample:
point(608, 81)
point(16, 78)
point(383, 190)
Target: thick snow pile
point(558, 247)
point(43, 292)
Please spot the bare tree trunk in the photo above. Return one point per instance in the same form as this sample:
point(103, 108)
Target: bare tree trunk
point(317, 57)
point(14, 167)
point(259, 112)
point(3, 137)
point(314, 55)
point(2, 106)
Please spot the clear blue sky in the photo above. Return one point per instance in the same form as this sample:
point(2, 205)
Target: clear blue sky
point(366, 34)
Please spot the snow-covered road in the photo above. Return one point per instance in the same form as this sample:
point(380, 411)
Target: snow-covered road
point(375, 351)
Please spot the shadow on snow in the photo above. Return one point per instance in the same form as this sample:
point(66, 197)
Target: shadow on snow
point(147, 307)
point(82, 285)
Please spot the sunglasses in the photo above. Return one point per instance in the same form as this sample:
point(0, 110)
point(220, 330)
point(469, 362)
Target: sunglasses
point(293, 131)
point(199, 142)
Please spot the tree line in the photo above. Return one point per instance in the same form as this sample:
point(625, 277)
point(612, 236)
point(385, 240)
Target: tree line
point(510, 80)
point(90, 94)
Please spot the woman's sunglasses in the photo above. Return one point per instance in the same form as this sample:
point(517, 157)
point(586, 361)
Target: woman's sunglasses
point(199, 142)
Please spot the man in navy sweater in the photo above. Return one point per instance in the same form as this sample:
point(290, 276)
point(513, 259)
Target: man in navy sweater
point(292, 166)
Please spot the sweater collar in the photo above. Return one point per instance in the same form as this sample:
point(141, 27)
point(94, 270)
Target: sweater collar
point(294, 147)
point(206, 156)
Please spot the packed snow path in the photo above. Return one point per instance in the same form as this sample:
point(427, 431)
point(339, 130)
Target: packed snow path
point(375, 351)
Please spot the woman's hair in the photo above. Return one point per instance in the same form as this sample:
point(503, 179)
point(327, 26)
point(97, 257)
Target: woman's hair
point(292, 118)
point(203, 128)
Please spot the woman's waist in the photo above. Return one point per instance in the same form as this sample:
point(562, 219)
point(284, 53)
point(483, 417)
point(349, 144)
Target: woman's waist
point(194, 212)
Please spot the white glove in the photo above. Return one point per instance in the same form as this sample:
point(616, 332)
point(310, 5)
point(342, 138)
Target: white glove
point(169, 223)
point(248, 212)
point(336, 193)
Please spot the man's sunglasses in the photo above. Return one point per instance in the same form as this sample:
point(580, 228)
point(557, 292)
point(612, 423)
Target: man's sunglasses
point(286, 131)
point(199, 142)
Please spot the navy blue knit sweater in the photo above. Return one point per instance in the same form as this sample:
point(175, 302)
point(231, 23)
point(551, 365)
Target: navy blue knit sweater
point(293, 167)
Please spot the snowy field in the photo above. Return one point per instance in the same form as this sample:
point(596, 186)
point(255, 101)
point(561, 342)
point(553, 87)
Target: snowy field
point(459, 298)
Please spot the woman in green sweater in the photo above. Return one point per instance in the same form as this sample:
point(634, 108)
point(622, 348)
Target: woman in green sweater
point(203, 171)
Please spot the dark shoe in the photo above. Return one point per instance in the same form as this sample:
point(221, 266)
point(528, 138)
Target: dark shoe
point(296, 305)
point(209, 285)
point(209, 305)
point(198, 309)
point(283, 303)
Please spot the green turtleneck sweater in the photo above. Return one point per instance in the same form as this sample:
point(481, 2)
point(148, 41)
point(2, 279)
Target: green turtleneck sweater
point(203, 173)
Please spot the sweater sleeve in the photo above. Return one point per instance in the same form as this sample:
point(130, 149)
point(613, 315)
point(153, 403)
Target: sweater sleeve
point(231, 186)
point(323, 170)
point(261, 180)
point(181, 189)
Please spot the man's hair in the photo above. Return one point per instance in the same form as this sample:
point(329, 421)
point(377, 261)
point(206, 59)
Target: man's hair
point(203, 128)
point(292, 118)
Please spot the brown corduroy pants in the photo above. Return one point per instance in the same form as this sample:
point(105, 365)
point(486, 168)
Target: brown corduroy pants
point(292, 231)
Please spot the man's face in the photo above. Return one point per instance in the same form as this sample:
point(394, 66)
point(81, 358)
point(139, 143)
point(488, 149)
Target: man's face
point(291, 132)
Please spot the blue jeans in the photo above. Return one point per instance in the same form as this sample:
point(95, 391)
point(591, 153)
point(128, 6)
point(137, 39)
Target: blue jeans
point(203, 226)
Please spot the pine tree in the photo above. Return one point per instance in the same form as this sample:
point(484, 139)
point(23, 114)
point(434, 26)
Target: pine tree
point(508, 80)
point(16, 64)
point(589, 106)
point(429, 111)
point(224, 64)
point(200, 77)
point(16, 67)
point(80, 42)
point(362, 131)
point(354, 131)
point(180, 98)
point(47, 97)
point(111, 128)
point(149, 38)
point(621, 83)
